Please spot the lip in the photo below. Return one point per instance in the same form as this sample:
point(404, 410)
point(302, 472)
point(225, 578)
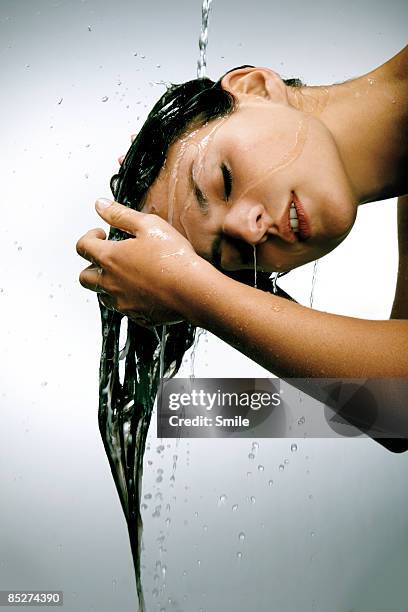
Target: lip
point(304, 223)
point(285, 230)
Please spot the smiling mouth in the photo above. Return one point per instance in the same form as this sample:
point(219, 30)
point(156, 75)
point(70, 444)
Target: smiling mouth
point(298, 221)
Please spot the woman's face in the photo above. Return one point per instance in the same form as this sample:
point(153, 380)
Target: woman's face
point(267, 175)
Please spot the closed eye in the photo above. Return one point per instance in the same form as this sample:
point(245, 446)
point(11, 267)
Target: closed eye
point(227, 177)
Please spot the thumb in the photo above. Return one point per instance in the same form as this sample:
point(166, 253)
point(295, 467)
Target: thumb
point(119, 216)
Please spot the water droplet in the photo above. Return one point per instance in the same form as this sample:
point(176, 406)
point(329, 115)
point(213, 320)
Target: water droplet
point(281, 467)
point(270, 482)
point(260, 468)
point(239, 555)
point(198, 562)
point(235, 507)
point(44, 383)
point(168, 521)
point(241, 536)
point(249, 474)
point(251, 456)
point(312, 533)
point(286, 461)
point(255, 446)
point(301, 421)
point(252, 499)
point(205, 527)
point(89, 29)
point(114, 583)
point(20, 248)
point(105, 98)
point(222, 499)
point(293, 448)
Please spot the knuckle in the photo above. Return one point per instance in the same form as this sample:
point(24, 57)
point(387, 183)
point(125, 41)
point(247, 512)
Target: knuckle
point(107, 257)
point(117, 214)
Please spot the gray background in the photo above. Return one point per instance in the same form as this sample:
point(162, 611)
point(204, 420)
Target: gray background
point(330, 533)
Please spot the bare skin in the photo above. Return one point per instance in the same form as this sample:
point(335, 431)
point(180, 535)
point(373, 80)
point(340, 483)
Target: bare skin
point(164, 273)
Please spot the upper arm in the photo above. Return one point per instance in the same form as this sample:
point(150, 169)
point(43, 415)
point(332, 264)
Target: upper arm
point(400, 305)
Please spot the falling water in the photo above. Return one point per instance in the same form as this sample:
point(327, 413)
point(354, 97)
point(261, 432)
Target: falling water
point(274, 278)
point(126, 402)
point(203, 40)
point(255, 284)
point(313, 283)
point(162, 349)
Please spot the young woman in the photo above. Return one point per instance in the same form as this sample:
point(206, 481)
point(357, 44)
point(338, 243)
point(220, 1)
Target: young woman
point(256, 163)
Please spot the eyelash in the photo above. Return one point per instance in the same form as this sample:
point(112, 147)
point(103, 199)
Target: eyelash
point(227, 174)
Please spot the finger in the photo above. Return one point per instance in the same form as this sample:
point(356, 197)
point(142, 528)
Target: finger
point(93, 245)
point(117, 215)
point(120, 159)
point(92, 278)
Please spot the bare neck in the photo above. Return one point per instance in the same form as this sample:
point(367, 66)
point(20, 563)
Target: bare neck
point(368, 119)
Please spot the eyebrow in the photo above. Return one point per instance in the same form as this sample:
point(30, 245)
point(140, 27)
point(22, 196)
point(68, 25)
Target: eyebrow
point(200, 197)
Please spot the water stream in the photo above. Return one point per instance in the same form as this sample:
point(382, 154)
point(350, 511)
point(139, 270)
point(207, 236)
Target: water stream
point(314, 277)
point(255, 279)
point(203, 41)
point(129, 378)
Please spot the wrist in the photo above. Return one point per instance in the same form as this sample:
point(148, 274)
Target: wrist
point(197, 289)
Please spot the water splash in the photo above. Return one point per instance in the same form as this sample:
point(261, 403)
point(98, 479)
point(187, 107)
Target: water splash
point(203, 40)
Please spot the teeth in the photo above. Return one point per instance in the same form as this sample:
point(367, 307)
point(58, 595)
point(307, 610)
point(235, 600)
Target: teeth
point(293, 218)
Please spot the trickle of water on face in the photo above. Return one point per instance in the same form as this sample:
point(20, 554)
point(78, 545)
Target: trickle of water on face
point(313, 283)
point(287, 159)
point(203, 40)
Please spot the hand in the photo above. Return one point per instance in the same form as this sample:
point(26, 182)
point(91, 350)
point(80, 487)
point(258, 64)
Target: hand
point(147, 276)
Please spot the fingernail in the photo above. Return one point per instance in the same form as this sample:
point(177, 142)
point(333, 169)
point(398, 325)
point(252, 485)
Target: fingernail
point(103, 203)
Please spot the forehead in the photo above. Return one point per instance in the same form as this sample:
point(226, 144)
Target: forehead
point(175, 173)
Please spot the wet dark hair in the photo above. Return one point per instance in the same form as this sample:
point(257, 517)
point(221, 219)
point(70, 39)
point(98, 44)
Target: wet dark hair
point(125, 406)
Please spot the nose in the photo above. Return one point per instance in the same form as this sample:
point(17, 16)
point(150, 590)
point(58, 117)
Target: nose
point(247, 221)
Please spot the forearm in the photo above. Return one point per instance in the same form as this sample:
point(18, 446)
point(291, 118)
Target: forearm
point(291, 340)
point(400, 305)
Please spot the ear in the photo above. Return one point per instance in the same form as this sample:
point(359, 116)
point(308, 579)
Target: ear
point(261, 82)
